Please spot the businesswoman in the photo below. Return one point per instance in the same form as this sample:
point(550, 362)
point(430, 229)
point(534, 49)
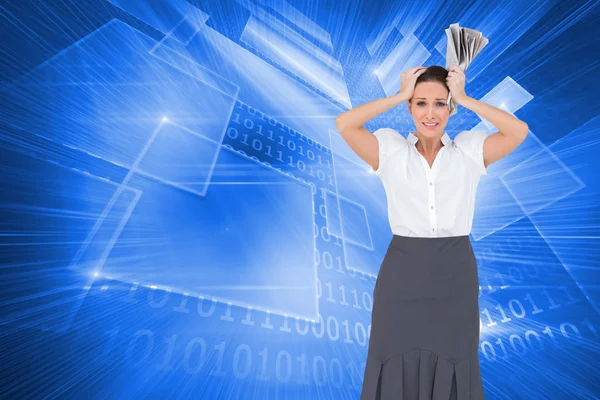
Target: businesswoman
point(425, 320)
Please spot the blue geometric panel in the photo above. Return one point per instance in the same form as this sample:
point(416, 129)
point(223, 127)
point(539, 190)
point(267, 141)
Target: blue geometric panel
point(495, 206)
point(347, 220)
point(334, 225)
point(180, 157)
point(569, 226)
point(355, 226)
point(165, 15)
point(400, 19)
point(175, 54)
point(301, 21)
point(363, 215)
point(505, 195)
point(508, 95)
point(123, 98)
point(264, 86)
point(540, 181)
point(263, 23)
point(239, 244)
point(188, 27)
point(286, 48)
point(386, 27)
point(408, 53)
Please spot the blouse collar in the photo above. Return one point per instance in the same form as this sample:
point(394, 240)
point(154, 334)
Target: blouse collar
point(412, 138)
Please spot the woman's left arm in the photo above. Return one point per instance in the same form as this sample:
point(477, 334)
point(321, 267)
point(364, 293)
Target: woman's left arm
point(511, 130)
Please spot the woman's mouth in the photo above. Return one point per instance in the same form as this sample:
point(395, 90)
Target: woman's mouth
point(431, 126)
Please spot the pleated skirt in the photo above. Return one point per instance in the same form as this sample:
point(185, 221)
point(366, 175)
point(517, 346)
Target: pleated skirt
point(425, 322)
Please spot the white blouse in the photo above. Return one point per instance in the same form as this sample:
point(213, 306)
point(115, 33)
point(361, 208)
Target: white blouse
point(430, 202)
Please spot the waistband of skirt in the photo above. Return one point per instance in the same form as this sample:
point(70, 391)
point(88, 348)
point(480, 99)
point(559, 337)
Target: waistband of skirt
point(400, 238)
point(427, 247)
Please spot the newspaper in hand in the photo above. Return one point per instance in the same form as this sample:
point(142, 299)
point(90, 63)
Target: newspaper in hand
point(463, 45)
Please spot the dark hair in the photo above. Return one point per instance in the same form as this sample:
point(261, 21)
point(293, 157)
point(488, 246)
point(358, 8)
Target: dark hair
point(434, 73)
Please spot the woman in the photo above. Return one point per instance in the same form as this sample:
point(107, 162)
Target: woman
point(425, 321)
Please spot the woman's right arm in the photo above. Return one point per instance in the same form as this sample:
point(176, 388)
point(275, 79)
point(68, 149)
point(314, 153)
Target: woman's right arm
point(350, 123)
point(361, 140)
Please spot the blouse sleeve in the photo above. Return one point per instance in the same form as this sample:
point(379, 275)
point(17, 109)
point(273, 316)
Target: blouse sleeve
point(390, 141)
point(471, 142)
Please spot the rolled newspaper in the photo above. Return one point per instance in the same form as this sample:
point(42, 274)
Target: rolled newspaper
point(463, 45)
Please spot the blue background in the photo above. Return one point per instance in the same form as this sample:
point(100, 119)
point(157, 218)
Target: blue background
point(180, 218)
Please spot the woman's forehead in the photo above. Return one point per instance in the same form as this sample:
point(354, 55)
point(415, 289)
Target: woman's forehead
point(430, 90)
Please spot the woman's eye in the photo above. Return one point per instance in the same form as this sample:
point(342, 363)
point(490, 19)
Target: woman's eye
point(439, 104)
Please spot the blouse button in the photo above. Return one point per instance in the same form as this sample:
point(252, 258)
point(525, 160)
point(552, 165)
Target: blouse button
point(430, 183)
point(432, 207)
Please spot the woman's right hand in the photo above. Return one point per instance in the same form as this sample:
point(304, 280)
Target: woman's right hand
point(408, 79)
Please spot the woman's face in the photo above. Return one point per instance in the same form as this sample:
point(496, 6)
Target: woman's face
point(429, 105)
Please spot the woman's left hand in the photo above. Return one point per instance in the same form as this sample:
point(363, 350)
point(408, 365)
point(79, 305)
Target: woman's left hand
point(456, 83)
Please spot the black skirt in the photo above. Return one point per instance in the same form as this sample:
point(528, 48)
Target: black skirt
point(425, 322)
